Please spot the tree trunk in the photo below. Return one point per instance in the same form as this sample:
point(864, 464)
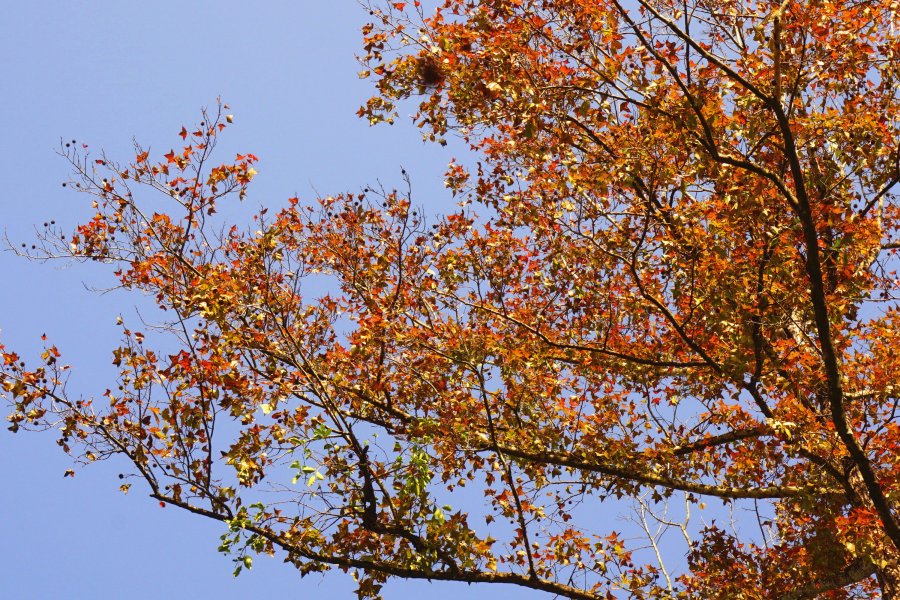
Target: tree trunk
point(889, 580)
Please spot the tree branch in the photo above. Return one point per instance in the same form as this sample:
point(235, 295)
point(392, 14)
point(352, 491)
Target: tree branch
point(852, 574)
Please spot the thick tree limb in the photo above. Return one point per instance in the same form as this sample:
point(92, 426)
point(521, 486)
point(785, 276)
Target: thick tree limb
point(853, 574)
point(564, 459)
point(392, 568)
point(717, 440)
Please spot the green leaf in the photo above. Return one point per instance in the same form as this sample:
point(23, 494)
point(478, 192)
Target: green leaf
point(321, 432)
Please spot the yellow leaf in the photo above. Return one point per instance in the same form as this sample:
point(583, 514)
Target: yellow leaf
point(124, 488)
point(229, 118)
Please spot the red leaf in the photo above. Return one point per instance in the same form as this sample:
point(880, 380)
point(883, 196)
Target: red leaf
point(400, 5)
point(183, 133)
point(162, 504)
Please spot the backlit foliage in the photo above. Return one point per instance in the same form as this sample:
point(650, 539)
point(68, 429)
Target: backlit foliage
point(669, 284)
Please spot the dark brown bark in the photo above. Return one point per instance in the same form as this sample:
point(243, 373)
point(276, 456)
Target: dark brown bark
point(889, 580)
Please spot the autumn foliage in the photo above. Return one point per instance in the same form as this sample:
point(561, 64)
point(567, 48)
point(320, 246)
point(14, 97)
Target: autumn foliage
point(670, 284)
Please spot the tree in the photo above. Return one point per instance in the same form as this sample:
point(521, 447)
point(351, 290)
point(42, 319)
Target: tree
point(679, 287)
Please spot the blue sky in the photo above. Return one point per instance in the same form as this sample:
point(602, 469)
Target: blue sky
point(104, 72)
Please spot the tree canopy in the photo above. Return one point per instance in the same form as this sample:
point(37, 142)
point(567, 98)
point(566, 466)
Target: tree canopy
point(670, 283)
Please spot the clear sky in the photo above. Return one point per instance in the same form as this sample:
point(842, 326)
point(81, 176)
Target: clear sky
point(103, 72)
